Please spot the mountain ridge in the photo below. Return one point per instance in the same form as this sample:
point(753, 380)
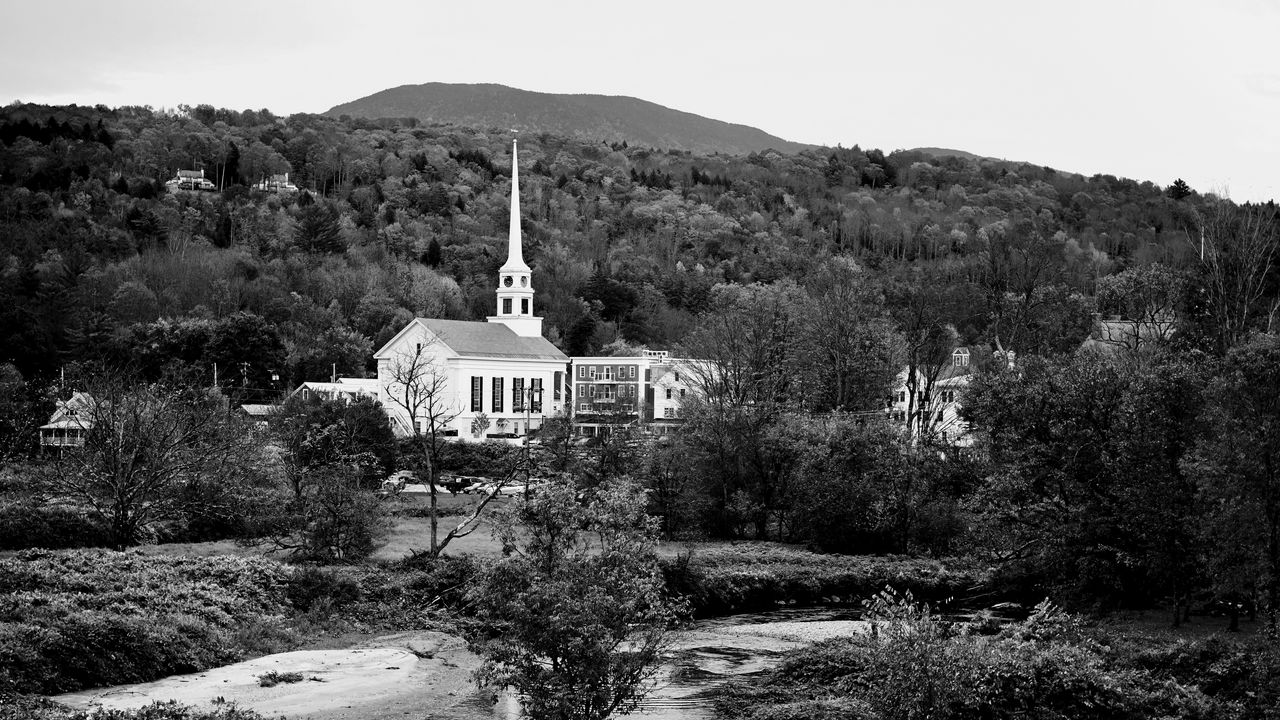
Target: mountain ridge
point(579, 115)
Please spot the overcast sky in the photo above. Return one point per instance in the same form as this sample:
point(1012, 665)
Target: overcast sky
point(1147, 90)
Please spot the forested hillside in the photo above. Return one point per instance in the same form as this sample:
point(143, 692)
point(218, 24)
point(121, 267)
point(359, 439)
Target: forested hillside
point(396, 219)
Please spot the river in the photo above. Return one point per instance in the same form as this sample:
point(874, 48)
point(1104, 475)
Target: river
point(713, 651)
point(408, 674)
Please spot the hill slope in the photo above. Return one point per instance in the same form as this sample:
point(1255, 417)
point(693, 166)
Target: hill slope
point(589, 117)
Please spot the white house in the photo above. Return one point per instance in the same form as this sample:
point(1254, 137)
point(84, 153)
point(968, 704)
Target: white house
point(933, 407)
point(347, 389)
point(276, 184)
point(70, 422)
point(498, 378)
point(190, 180)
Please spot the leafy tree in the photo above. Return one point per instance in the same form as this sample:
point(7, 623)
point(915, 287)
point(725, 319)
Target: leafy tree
point(1237, 468)
point(745, 378)
point(851, 483)
point(850, 351)
point(333, 452)
point(573, 616)
point(1086, 490)
point(22, 412)
point(248, 350)
point(1149, 295)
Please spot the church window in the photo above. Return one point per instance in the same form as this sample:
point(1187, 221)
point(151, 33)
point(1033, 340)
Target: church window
point(524, 306)
point(477, 393)
point(507, 281)
point(506, 306)
point(517, 394)
point(535, 395)
point(524, 282)
point(497, 394)
point(556, 382)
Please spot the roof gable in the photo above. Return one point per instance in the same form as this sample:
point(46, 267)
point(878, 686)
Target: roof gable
point(480, 339)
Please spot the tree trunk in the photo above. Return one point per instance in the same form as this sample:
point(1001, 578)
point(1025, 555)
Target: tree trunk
point(431, 488)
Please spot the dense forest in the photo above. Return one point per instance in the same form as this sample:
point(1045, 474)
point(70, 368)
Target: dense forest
point(398, 220)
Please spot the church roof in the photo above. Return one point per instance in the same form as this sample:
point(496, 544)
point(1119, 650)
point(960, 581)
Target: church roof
point(484, 339)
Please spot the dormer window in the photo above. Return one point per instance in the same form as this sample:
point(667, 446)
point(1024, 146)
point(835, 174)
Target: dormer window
point(960, 358)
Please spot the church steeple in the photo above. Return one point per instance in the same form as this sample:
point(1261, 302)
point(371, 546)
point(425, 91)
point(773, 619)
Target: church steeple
point(515, 253)
point(515, 281)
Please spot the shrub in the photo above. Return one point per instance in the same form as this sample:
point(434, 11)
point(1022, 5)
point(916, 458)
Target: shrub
point(273, 678)
point(440, 580)
point(311, 586)
point(911, 665)
point(26, 524)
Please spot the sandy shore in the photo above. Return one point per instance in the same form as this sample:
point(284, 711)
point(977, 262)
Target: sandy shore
point(412, 675)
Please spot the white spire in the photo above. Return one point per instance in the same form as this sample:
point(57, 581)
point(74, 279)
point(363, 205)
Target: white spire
point(515, 256)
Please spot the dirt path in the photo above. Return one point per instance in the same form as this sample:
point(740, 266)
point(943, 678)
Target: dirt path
point(411, 675)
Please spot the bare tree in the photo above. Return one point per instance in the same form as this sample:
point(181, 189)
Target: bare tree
point(144, 443)
point(1238, 253)
point(418, 384)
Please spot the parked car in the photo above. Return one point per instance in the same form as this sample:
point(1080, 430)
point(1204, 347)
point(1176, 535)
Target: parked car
point(396, 481)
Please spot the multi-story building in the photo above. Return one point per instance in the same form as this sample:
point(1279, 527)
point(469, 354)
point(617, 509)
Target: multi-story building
point(647, 391)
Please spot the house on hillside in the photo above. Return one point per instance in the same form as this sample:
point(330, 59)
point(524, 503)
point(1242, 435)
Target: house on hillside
point(498, 378)
point(70, 423)
point(190, 180)
point(1115, 334)
point(276, 184)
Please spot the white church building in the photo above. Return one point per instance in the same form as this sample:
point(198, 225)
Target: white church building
point(476, 380)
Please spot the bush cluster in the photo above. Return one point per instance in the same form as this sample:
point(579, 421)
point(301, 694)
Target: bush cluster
point(754, 576)
point(910, 664)
point(17, 707)
point(28, 524)
point(71, 620)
